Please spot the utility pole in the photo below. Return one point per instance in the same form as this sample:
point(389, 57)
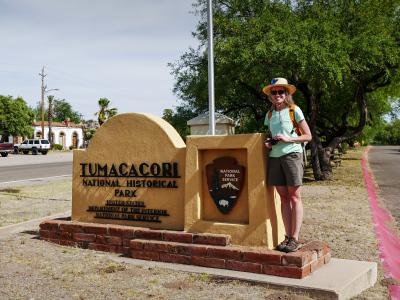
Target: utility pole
point(42, 102)
point(43, 92)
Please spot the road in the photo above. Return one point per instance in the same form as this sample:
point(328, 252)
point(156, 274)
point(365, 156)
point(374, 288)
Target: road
point(17, 170)
point(384, 162)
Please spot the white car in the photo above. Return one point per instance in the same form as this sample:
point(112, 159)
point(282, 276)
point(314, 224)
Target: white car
point(33, 145)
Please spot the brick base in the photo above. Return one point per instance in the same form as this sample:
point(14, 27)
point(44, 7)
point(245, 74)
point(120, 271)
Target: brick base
point(207, 250)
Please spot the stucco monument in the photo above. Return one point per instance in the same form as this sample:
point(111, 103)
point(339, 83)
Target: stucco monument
point(137, 171)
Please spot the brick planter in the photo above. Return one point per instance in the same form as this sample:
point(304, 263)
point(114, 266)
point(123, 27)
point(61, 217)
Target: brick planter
point(207, 250)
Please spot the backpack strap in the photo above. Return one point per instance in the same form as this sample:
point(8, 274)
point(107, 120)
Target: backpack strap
point(269, 114)
point(292, 117)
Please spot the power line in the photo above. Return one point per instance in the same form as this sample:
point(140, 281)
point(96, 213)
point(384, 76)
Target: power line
point(91, 84)
point(107, 89)
point(118, 91)
point(101, 90)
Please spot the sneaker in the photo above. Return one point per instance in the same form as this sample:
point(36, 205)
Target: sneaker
point(292, 246)
point(282, 245)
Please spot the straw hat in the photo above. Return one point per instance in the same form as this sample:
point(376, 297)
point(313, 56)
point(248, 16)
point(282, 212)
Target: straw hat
point(279, 82)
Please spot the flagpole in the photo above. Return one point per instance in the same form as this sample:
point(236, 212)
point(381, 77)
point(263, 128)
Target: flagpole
point(211, 94)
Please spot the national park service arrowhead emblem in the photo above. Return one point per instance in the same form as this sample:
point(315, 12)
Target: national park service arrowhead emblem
point(225, 182)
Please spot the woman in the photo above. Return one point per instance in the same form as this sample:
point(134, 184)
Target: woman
point(286, 168)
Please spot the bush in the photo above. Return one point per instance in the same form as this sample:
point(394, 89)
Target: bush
point(343, 148)
point(89, 133)
point(58, 147)
point(71, 147)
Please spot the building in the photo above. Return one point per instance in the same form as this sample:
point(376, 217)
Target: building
point(64, 133)
point(200, 125)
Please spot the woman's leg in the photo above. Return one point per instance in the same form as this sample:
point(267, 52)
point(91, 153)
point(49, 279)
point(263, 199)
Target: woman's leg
point(291, 208)
point(297, 210)
point(286, 209)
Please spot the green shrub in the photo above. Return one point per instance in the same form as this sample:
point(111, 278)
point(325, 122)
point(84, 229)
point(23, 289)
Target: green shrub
point(58, 147)
point(343, 148)
point(90, 133)
point(71, 147)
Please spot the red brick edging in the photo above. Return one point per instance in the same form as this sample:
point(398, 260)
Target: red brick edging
point(207, 250)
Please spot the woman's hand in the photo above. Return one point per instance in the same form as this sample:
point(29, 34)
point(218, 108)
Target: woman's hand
point(280, 137)
point(268, 144)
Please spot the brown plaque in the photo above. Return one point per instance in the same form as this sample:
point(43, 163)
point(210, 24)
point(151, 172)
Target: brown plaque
point(225, 181)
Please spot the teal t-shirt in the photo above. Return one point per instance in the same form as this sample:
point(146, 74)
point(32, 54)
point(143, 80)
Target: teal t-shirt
point(280, 122)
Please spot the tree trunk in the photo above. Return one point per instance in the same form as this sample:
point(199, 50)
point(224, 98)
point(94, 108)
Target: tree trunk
point(320, 156)
point(320, 160)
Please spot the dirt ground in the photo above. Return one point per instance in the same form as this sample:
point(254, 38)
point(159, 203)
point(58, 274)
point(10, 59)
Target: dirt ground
point(336, 212)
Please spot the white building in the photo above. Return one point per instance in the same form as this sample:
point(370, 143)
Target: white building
point(64, 134)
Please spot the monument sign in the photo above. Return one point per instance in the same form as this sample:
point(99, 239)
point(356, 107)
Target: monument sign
point(137, 171)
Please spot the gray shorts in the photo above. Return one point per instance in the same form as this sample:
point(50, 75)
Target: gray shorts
point(287, 170)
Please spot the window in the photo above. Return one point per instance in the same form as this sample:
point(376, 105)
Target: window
point(45, 142)
point(37, 142)
point(30, 142)
point(25, 142)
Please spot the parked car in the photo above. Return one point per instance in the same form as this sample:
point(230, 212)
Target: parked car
point(33, 145)
point(6, 148)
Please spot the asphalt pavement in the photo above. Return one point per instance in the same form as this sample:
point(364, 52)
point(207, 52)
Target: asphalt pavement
point(384, 162)
point(21, 169)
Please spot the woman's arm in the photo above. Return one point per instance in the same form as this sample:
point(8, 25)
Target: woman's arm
point(268, 144)
point(305, 137)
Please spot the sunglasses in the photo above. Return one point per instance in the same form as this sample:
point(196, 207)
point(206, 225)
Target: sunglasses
point(280, 92)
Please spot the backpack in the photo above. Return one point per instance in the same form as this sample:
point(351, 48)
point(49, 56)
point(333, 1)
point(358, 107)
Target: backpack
point(291, 114)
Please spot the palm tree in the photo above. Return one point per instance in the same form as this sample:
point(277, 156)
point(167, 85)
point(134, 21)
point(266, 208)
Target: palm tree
point(50, 98)
point(105, 113)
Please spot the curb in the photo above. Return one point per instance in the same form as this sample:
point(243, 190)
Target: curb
point(388, 240)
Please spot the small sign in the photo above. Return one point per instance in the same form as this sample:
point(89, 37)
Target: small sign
point(225, 182)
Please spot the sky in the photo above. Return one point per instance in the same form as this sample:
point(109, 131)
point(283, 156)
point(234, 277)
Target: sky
point(92, 49)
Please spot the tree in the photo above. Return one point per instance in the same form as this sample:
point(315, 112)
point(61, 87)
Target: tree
point(389, 134)
point(16, 118)
point(50, 98)
point(342, 55)
point(179, 119)
point(61, 110)
point(105, 112)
